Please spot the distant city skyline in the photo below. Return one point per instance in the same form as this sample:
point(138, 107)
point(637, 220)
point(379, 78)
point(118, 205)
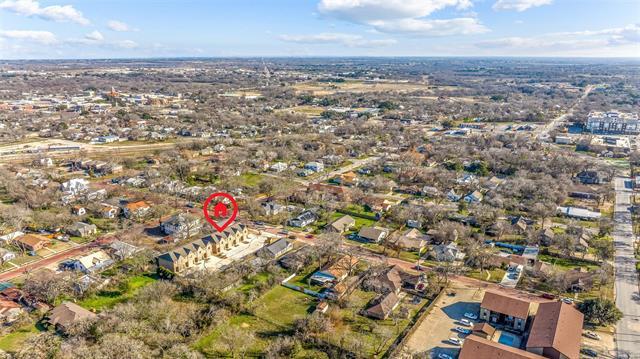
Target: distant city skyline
point(67, 29)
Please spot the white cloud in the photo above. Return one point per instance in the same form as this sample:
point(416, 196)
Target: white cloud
point(404, 16)
point(367, 10)
point(32, 8)
point(126, 44)
point(448, 27)
point(42, 37)
point(596, 40)
point(519, 5)
point(119, 26)
point(348, 40)
point(94, 36)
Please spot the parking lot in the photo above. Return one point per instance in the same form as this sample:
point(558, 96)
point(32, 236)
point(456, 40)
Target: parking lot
point(432, 334)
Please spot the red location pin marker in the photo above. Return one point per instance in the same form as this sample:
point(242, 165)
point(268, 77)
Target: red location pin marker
point(221, 218)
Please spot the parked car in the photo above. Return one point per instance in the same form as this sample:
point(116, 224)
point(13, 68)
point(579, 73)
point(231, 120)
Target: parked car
point(455, 341)
point(470, 315)
point(592, 335)
point(259, 223)
point(589, 352)
point(567, 300)
point(466, 322)
point(309, 236)
point(463, 330)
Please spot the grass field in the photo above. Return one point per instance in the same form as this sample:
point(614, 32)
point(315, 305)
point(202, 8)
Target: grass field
point(14, 341)
point(566, 263)
point(109, 297)
point(275, 312)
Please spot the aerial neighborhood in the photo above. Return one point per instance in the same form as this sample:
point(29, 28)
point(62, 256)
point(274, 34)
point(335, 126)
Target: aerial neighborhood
point(396, 208)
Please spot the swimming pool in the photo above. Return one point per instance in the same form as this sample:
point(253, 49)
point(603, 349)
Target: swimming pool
point(507, 339)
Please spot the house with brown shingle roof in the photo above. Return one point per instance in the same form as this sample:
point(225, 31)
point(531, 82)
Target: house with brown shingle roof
point(501, 308)
point(382, 306)
point(342, 224)
point(32, 242)
point(476, 347)
point(66, 314)
point(557, 331)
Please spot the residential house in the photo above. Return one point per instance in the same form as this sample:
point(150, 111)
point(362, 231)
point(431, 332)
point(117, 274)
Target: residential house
point(278, 167)
point(347, 179)
point(195, 252)
point(303, 219)
point(75, 186)
point(81, 229)
point(446, 252)
point(547, 236)
point(388, 281)
point(277, 248)
point(122, 250)
point(473, 197)
point(182, 225)
point(504, 309)
point(66, 314)
point(453, 196)
point(78, 210)
point(591, 177)
point(272, 208)
point(314, 166)
point(6, 255)
point(91, 263)
point(136, 209)
point(412, 240)
point(342, 224)
point(376, 204)
point(341, 193)
point(10, 311)
point(8, 238)
point(108, 211)
point(556, 332)
point(336, 272)
point(32, 242)
point(382, 306)
point(373, 234)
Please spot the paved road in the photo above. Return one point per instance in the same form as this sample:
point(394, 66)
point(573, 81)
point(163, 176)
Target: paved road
point(627, 295)
point(543, 131)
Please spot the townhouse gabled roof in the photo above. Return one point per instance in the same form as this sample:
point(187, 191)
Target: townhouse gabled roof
point(506, 304)
point(559, 326)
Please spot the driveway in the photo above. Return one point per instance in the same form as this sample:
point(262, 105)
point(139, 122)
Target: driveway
point(627, 296)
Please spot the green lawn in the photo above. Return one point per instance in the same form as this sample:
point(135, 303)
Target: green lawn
point(14, 341)
point(250, 179)
point(566, 263)
point(275, 313)
point(107, 298)
point(496, 275)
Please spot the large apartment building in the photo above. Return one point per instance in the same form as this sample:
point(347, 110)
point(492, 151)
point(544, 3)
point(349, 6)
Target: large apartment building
point(613, 122)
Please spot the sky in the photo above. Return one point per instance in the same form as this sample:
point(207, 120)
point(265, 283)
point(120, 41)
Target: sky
point(66, 29)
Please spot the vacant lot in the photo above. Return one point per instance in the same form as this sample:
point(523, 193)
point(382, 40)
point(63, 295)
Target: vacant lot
point(355, 86)
point(107, 298)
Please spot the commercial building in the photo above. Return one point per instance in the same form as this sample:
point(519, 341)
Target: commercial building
point(613, 122)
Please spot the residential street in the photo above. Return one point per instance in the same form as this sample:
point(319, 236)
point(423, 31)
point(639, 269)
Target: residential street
point(627, 296)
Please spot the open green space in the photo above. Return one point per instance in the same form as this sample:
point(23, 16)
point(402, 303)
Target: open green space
point(14, 341)
point(107, 298)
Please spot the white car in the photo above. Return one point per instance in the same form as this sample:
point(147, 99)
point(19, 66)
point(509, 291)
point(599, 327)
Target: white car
point(466, 322)
point(444, 356)
point(567, 300)
point(455, 341)
point(592, 335)
point(463, 330)
point(470, 315)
